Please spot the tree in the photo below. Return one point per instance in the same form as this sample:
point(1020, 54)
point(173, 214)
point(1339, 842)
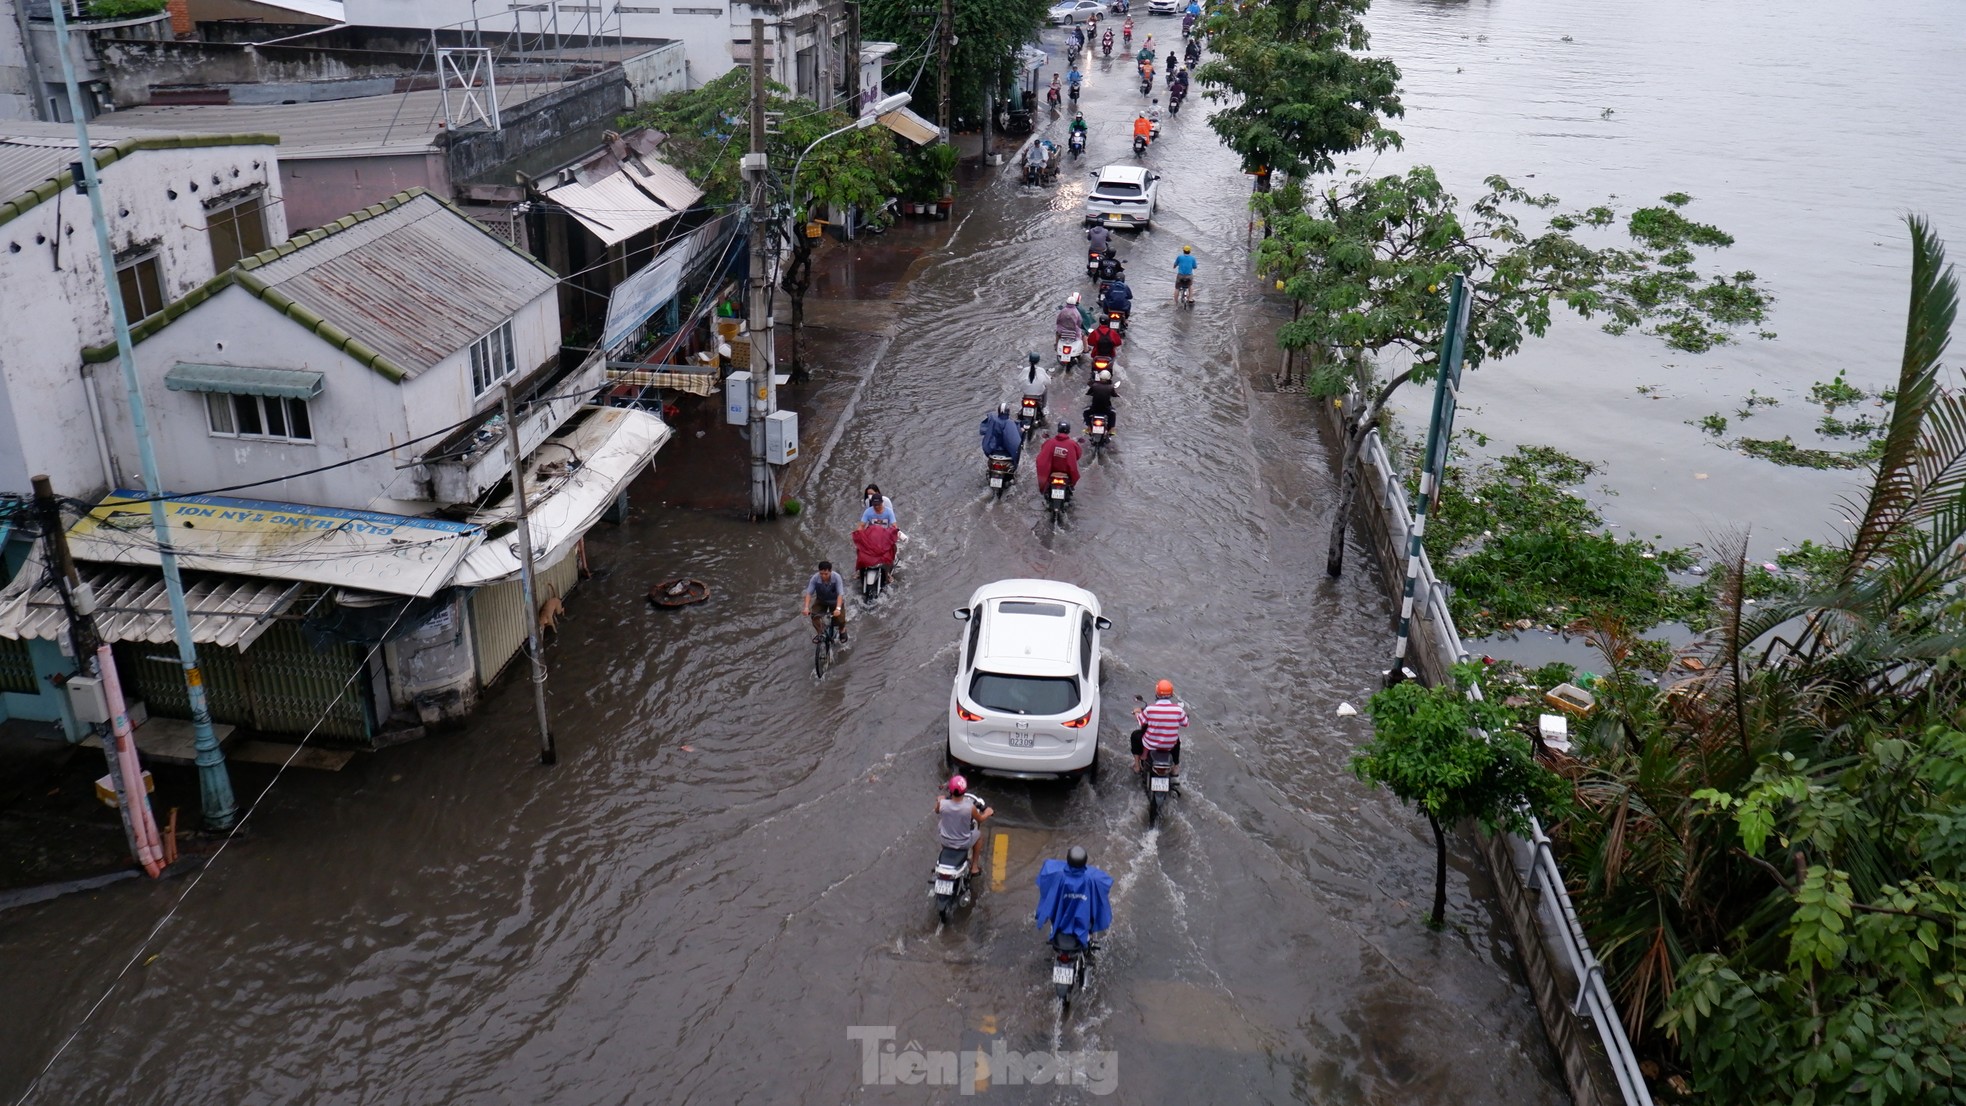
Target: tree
point(1454, 757)
point(988, 35)
point(1382, 248)
point(709, 131)
point(1295, 89)
point(1772, 851)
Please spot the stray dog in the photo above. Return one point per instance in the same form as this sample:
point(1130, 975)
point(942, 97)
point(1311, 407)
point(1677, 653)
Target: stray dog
point(549, 615)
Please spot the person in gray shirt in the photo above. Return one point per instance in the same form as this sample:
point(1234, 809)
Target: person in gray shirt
point(959, 818)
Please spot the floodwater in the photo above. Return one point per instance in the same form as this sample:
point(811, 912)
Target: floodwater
point(721, 890)
point(1806, 129)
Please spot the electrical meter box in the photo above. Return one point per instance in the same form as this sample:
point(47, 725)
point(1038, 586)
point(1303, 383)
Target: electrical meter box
point(737, 398)
point(87, 699)
point(782, 437)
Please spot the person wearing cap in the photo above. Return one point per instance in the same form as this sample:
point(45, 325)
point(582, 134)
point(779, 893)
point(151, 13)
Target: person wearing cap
point(959, 818)
point(1103, 392)
point(1161, 722)
point(1059, 453)
point(1000, 434)
point(825, 589)
point(879, 510)
point(1185, 264)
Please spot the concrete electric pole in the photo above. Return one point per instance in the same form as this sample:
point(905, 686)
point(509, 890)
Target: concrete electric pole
point(764, 391)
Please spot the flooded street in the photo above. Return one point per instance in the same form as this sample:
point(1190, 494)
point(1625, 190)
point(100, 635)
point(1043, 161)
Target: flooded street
point(1807, 130)
point(723, 884)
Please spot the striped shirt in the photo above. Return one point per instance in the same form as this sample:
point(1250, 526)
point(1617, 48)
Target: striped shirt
point(1164, 719)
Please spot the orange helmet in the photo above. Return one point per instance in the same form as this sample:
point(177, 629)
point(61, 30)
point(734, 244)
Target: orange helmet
point(1164, 689)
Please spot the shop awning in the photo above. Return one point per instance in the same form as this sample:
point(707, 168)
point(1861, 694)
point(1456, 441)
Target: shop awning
point(618, 198)
point(243, 380)
point(564, 500)
point(226, 611)
point(911, 126)
point(391, 554)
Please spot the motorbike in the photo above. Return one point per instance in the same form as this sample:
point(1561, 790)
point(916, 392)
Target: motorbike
point(952, 882)
point(1070, 349)
point(1194, 53)
point(1146, 82)
point(1106, 45)
point(1071, 965)
point(1187, 23)
point(1051, 98)
point(1098, 433)
point(1027, 417)
point(1058, 495)
point(1076, 143)
point(1139, 145)
point(1072, 55)
point(1003, 470)
point(1159, 779)
point(1174, 103)
point(872, 579)
point(1092, 263)
point(1045, 171)
point(1128, 36)
point(1117, 318)
point(1154, 120)
point(1073, 88)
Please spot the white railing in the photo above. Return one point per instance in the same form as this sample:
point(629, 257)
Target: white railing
point(1557, 916)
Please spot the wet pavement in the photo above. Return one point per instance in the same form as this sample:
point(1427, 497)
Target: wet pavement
point(720, 893)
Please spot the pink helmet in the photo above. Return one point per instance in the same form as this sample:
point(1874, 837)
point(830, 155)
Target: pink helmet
point(958, 785)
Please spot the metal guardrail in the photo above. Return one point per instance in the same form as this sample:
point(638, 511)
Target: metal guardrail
point(1561, 927)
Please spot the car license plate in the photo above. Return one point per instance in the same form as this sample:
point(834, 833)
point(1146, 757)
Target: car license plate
point(1116, 220)
point(1023, 741)
point(1062, 973)
point(996, 481)
point(1057, 493)
point(1159, 783)
point(945, 886)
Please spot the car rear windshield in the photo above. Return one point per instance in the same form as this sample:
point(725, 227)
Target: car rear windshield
point(1035, 695)
point(1118, 188)
point(1025, 606)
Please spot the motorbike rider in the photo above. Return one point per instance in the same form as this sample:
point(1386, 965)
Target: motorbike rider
point(1143, 128)
point(959, 818)
point(1103, 392)
point(1098, 238)
point(1035, 157)
point(1059, 453)
point(1110, 266)
point(1153, 118)
point(1035, 388)
point(825, 591)
point(1071, 320)
point(1074, 899)
point(1126, 30)
point(1118, 296)
point(1193, 53)
point(1000, 435)
point(880, 510)
point(1106, 41)
point(1053, 94)
point(1161, 722)
point(1078, 39)
point(1146, 54)
point(1184, 269)
point(1074, 78)
point(1085, 313)
point(1104, 340)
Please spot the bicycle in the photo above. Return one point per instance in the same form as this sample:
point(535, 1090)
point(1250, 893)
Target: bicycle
point(822, 649)
point(1184, 293)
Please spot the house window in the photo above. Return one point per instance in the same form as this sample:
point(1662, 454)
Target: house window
point(279, 418)
point(491, 359)
point(142, 283)
point(236, 231)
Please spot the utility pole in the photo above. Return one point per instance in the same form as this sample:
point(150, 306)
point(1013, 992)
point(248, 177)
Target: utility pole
point(214, 784)
point(546, 752)
point(764, 391)
point(948, 44)
point(1440, 433)
point(93, 657)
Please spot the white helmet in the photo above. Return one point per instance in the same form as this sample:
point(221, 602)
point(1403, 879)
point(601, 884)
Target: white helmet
point(1105, 376)
point(1072, 299)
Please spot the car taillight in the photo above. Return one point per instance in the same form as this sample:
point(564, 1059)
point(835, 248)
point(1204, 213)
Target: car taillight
point(966, 716)
point(1079, 722)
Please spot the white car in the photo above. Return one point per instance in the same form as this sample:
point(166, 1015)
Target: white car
point(1069, 12)
point(1122, 196)
point(1163, 7)
point(1026, 697)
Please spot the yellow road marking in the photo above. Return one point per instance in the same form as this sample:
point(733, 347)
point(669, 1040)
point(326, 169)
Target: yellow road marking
point(999, 859)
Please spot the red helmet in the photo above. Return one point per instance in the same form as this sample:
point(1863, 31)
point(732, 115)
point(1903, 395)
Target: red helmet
point(1164, 689)
point(958, 785)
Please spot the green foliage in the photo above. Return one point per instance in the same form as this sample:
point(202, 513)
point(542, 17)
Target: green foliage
point(1512, 542)
point(1369, 259)
point(1425, 749)
point(988, 36)
point(1714, 424)
point(1784, 451)
point(1836, 393)
point(123, 9)
point(1295, 87)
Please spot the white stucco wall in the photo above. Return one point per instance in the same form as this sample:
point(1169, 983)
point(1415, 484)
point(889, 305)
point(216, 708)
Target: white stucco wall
point(55, 301)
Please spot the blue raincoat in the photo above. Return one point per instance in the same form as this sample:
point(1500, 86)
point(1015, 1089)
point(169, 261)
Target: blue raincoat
point(1074, 900)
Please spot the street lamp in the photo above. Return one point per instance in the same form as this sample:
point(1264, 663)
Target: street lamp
point(892, 103)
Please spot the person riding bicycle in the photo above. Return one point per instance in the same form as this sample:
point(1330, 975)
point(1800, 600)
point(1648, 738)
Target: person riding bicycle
point(959, 818)
point(1074, 900)
point(1118, 296)
point(1184, 271)
point(1110, 266)
point(1000, 434)
point(1161, 722)
point(1034, 388)
point(1059, 453)
point(1104, 340)
point(1103, 392)
point(825, 591)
